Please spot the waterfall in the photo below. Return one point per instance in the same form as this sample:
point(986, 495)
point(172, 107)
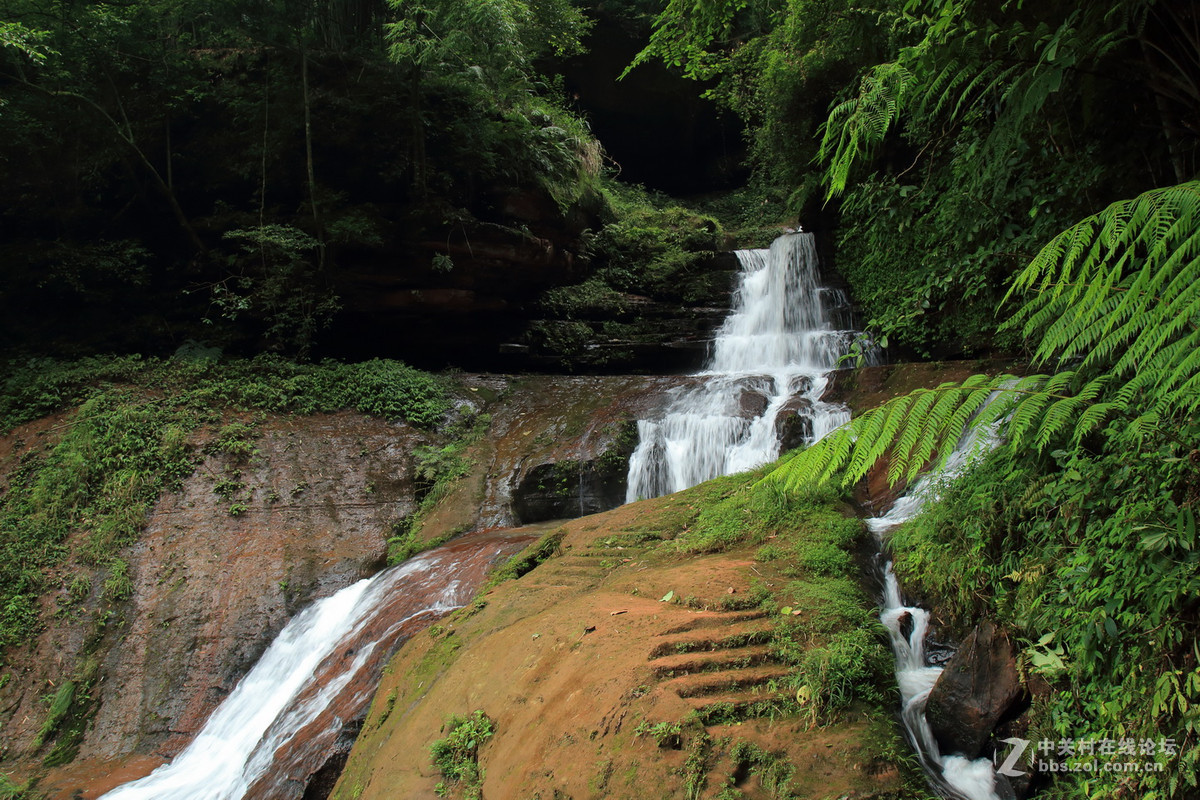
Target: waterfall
point(953, 776)
point(774, 351)
point(279, 723)
point(770, 360)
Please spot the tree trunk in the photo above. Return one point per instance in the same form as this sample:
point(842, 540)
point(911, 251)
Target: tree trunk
point(156, 178)
point(308, 158)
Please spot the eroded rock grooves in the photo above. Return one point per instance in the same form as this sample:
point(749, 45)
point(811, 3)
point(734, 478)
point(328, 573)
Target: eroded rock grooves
point(279, 726)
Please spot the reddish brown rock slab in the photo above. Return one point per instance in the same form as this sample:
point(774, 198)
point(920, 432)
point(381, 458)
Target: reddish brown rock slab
point(88, 779)
point(211, 589)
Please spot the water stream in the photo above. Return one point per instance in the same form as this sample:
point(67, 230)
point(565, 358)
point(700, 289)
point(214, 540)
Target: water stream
point(953, 776)
point(281, 721)
point(775, 350)
point(771, 358)
point(768, 370)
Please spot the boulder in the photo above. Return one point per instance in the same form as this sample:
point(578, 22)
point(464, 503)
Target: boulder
point(793, 423)
point(975, 690)
point(568, 489)
point(752, 404)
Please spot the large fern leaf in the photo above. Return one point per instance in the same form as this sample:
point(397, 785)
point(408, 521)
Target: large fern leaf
point(1112, 303)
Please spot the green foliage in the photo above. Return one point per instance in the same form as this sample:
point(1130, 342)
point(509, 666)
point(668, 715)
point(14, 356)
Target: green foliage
point(128, 441)
point(393, 390)
point(60, 704)
point(851, 665)
point(583, 300)
point(773, 770)
point(457, 755)
point(656, 247)
point(10, 790)
point(380, 387)
point(957, 137)
point(1114, 299)
point(28, 42)
point(274, 278)
point(696, 765)
point(998, 114)
point(1090, 557)
point(436, 469)
point(481, 56)
point(665, 734)
point(649, 247)
point(528, 559)
point(1081, 533)
point(118, 586)
point(862, 122)
point(219, 172)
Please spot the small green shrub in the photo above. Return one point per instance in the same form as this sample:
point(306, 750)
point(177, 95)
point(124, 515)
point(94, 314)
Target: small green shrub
point(528, 559)
point(60, 705)
point(457, 755)
point(665, 734)
point(773, 770)
point(236, 439)
point(118, 586)
point(10, 790)
point(851, 665)
point(823, 558)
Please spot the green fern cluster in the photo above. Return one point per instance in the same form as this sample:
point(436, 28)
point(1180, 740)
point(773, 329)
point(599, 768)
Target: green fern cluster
point(960, 70)
point(1113, 305)
point(857, 125)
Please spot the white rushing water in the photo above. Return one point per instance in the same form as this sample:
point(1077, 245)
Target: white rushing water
point(773, 354)
point(954, 776)
point(286, 689)
point(770, 358)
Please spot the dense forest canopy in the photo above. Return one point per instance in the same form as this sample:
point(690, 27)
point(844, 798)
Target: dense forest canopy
point(222, 172)
point(954, 138)
point(190, 165)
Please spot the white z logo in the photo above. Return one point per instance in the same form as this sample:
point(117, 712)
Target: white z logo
point(1018, 749)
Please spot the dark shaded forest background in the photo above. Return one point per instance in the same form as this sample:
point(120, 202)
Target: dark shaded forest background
point(414, 179)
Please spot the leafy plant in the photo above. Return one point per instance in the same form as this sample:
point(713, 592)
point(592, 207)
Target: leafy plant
point(1081, 531)
point(60, 704)
point(457, 755)
point(665, 734)
point(118, 586)
point(1114, 298)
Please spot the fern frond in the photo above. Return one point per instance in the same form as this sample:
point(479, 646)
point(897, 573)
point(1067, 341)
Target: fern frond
point(1114, 301)
point(855, 126)
point(908, 429)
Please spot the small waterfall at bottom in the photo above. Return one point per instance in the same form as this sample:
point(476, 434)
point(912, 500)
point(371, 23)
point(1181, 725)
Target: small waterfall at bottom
point(953, 776)
point(285, 716)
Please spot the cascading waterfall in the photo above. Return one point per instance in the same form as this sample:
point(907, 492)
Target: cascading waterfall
point(771, 355)
point(954, 776)
point(778, 345)
point(319, 673)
